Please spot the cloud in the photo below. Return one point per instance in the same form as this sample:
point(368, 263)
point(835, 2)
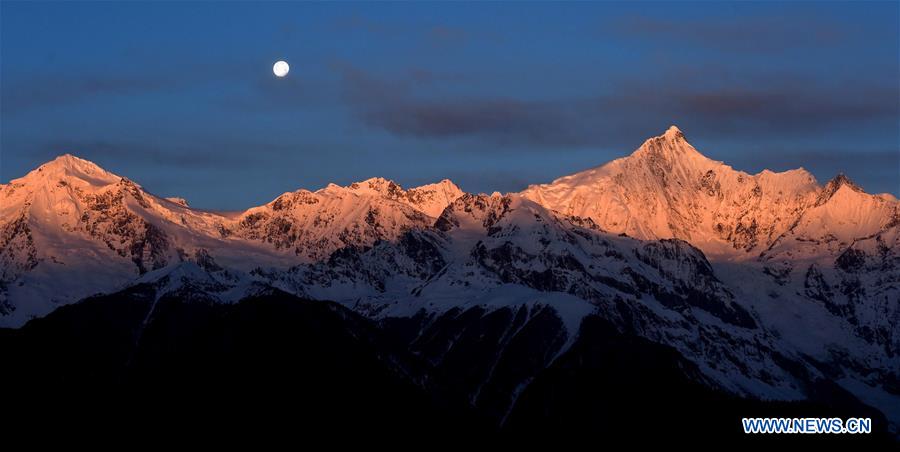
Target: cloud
point(746, 33)
point(440, 35)
point(783, 108)
point(357, 22)
point(43, 91)
point(268, 94)
point(394, 105)
point(46, 91)
point(443, 35)
point(208, 153)
point(505, 120)
point(777, 106)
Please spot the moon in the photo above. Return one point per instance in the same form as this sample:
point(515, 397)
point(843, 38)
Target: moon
point(281, 68)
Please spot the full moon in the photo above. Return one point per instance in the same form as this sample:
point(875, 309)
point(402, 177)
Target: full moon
point(281, 68)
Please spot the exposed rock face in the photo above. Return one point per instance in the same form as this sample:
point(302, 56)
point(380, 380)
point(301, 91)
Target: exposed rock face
point(312, 225)
point(666, 189)
point(765, 283)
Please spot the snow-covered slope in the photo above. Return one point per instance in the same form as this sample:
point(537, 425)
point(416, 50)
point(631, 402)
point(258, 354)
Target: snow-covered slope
point(766, 282)
point(430, 199)
point(313, 225)
point(70, 229)
point(842, 214)
point(819, 266)
point(667, 189)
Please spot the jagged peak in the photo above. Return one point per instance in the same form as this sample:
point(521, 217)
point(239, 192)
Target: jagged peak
point(670, 146)
point(444, 184)
point(797, 177)
point(373, 181)
point(673, 132)
point(842, 180)
point(388, 188)
point(799, 170)
point(672, 135)
point(483, 209)
point(372, 184)
point(381, 183)
point(835, 184)
point(377, 186)
point(429, 199)
point(479, 200)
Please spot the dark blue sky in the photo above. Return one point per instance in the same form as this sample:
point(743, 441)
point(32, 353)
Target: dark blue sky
point(181, 98)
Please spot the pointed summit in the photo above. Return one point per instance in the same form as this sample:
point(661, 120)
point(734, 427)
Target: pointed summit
point(433, 198)
point(70, 167)
point(834, 185)
point(842, 179)
point(69, 161)
point(376, 185)
point(673, 132)
point(670, 147)
point(666, 188)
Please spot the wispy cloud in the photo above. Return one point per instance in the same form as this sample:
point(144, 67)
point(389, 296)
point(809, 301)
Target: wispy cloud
point(779, 106)
point(358, 22)
point(393, 105)
point(437, 35)
point(744, 33)
point(47, 91)
point(43, 91)
point(444, 35)
point(207, 153)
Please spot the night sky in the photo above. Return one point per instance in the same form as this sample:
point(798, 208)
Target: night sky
point(181, 98)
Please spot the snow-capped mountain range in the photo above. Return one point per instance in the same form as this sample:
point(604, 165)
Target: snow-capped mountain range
point(767, 282)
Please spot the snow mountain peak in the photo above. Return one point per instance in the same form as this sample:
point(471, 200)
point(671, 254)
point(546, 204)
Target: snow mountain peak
point(743, 264)
point(67, 167)
point(430, 199)
point(668, 189)
point(838, 182)
point(673, 132)
point(69, 161)
point(671, 148)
